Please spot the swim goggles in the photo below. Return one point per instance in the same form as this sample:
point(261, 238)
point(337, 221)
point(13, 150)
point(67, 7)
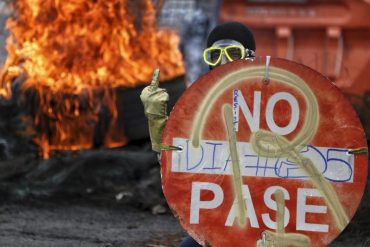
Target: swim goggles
point(213, 55)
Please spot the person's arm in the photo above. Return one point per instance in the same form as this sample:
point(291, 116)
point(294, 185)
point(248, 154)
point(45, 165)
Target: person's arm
point(155, 107)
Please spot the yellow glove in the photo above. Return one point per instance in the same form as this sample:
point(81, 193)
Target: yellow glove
point(155, 107)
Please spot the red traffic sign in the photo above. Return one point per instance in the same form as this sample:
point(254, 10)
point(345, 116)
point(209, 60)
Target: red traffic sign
point(272, 154)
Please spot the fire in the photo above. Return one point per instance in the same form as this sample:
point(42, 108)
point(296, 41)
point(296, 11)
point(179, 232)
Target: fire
point(75, 54)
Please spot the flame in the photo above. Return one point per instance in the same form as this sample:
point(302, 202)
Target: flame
point(75, 54)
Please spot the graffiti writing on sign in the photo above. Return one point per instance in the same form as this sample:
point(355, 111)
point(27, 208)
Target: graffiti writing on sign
point(213, 157)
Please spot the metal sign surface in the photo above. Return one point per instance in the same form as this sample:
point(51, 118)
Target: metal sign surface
point(269, 157)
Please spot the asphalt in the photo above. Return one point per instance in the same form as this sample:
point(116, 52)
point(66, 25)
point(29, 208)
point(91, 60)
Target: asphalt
point(76, 223)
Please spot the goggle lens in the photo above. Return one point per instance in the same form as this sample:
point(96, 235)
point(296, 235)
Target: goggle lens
point(214, 55)
point(234, 53)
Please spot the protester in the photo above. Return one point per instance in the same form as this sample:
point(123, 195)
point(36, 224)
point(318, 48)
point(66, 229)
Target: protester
point(225, 43)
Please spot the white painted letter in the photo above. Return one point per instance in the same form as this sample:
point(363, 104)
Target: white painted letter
point(250, 209)
point(294, 113)
point(196, 204)
point(303, 208)
point(253, 121)
point(271, 204)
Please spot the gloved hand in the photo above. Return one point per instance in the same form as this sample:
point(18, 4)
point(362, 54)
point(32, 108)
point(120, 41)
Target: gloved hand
point(155, 107)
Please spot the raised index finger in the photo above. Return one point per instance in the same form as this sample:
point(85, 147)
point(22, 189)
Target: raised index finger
point(155, 80)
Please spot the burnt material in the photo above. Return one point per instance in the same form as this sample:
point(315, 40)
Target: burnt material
point(102, 118)
point(128, 174)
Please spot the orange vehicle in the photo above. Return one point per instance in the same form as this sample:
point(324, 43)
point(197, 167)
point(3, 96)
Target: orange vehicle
point(330, 36)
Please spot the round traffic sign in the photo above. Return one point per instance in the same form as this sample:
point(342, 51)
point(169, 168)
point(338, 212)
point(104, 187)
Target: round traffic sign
point(272, 154)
